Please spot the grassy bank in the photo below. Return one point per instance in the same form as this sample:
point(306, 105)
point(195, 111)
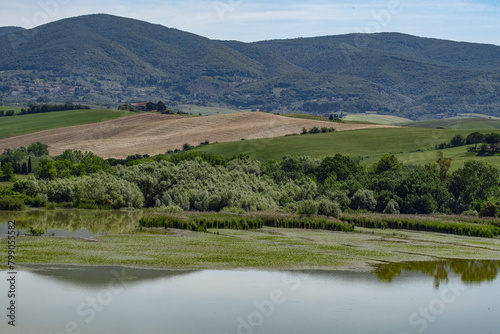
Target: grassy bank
point(224, 241)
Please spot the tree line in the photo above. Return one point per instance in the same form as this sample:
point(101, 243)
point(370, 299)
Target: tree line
point(44, 108)
point(489, 142)
point(199, 181)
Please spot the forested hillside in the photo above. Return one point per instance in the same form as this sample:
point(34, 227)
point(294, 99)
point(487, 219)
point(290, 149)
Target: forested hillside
point(105, 60)
point(8, 30)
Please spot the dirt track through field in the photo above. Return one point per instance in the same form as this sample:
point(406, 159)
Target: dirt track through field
point(155, 134)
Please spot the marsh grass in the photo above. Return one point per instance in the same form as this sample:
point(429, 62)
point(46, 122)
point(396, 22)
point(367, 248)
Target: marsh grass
point(292, 242)
point(476, 227)
point(203, 221)
point(266, 248)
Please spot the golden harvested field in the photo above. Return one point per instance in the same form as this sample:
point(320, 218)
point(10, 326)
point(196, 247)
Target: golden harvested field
point(155, 134)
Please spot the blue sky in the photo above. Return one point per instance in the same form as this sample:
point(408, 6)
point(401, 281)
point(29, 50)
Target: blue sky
point(252, 20)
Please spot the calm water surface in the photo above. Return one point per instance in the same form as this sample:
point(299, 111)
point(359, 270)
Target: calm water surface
point(71, 223)
point(433, 297)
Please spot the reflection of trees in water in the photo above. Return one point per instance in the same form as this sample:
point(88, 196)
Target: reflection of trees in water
point(470, 271)
point(72, 220)
point(101, 276)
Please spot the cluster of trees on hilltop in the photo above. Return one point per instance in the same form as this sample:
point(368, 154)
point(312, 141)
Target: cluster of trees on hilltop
point(7, 113)
point(34, 109)
point(150, 106)
point(44, 108)
point(301, 184)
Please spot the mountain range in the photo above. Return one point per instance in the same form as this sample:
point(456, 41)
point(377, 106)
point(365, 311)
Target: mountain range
point(107, 60)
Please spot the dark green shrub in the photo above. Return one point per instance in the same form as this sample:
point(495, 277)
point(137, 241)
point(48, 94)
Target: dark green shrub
point(315, 130)
point(11, 204)
point(329, 208)
point(50, 206)
point(307, 208)
point(392, 207)
point(363, 199)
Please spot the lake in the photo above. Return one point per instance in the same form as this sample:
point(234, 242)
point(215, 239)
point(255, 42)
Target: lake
point(71, 223)
point(453, 296)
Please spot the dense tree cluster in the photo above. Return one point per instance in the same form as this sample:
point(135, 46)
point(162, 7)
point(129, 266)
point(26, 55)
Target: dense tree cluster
point(24, 160)
point(198, 181)
point(44, 108)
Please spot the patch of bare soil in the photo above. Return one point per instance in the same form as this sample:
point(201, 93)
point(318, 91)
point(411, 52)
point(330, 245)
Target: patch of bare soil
point(155, 134)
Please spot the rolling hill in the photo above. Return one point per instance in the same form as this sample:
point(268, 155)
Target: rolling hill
point(154, 133)
point(17, 125)
point(107, 60)
point(409, 145)
point(458, 123)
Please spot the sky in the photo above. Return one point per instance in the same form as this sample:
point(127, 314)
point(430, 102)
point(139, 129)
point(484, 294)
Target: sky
point(254, 20)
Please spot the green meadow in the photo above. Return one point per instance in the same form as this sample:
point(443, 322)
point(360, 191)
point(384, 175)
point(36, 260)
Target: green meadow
point(6, 108)
point(412, 145)
point(18, 125)
point(458, 123)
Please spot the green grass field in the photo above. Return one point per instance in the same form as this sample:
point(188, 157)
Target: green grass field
point(478, 116)
point(378, 119)
point(17, 125)
point(458, 154)
point(6, 108)
point(459, 123)
point(415, 145)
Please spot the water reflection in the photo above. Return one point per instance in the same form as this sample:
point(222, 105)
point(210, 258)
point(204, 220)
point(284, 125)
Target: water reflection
point(470, 271)
point(73, 220)
point(118, 300)
point(100, 276)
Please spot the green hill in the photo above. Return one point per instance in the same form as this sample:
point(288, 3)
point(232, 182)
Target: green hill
point(104, 44)
point(458, 123)
point(106, 60)
point(7, 108)
point(436, 76)
point(411, 145)
point(18, 125)
point(8, 30)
